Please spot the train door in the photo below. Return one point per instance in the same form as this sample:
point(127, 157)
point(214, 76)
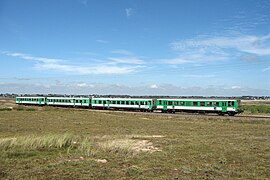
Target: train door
point(108, 104)
point(104, 103)
point(224, 106)
point(165, 105)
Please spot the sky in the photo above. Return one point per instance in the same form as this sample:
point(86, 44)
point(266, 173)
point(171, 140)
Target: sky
point(135, 47)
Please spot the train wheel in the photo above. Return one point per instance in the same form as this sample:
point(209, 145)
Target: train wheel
point(221, 114)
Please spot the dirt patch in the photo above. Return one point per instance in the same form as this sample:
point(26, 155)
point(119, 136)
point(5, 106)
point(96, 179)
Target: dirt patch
point(101, 160)
point(8, 104)
point(147, 136)
point(129, 145)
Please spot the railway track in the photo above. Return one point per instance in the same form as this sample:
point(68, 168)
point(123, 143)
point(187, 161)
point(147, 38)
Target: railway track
point(190, 115)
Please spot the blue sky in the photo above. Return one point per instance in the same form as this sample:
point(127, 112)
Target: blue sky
point(136, 47)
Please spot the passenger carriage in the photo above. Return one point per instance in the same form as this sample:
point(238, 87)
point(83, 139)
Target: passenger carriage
point(68, 101)
point(31, 100)
point(218, 106)
point(123, 103)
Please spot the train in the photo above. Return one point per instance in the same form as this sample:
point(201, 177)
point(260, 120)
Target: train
point(230, 107)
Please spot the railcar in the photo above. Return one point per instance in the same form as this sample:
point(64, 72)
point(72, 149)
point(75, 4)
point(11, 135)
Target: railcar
point(66, 101)
point(219, 106)
point(31, 100)
point(123, 103)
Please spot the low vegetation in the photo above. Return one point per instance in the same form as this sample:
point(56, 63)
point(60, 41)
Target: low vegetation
point(256, 109)
point(64, 143)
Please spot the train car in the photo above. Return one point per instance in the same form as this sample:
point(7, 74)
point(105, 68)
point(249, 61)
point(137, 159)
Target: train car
point(219, 106)
point(67, 101)
point(31, 100)
point(123, 103)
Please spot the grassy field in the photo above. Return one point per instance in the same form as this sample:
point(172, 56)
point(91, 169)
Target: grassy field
point(256, 107)
point(46, 143)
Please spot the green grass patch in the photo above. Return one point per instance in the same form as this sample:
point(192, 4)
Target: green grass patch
point(256, 109)
point(5, 109)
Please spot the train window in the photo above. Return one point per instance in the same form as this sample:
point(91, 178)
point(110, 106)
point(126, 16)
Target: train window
point(132, 102)
point(99, 102)
point(194, 103)
point(182, 103)
point(80, 101)
point(176, 103)
point(136, 102)
point(215, 103)
point(170, 103)
point(231, 103)
point(118, 102)
point(127, 102)
point(122, 102)
point(160, 102)
point(202, 103)
point(209, 104)
point(104, 102)
point(148, 102)
point(141, 103)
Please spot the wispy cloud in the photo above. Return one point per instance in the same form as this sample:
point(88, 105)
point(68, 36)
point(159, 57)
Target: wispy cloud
point(102, 41)
point(84, 2)
point(60, 65)
point(199, 76)
point(129, 11)
point(258, 45)
point(146, 89)
point(266, 69)
point(126, 60)
point(215, 48)
point(122, 52)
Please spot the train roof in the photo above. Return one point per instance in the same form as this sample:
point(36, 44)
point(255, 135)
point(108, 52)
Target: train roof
point(67, 98)
point(123, 99)
point(30, 97)
point(197, 99)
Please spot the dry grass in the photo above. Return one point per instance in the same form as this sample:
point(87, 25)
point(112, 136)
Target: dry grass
point(46, 142)
point(128, 146)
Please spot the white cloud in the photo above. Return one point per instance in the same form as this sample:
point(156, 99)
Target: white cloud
point(126, 60)
point(62, 65)
point(199, 76)
point(102, 41)
point(154, 86)
point(122, 52)
point(236, 87)
point(217, 48)
point(118, 89)
point(129, 11)
point(266, 69)
point(84, 2)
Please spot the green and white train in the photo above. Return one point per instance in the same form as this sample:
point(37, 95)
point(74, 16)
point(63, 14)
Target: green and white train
point(219, 106)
